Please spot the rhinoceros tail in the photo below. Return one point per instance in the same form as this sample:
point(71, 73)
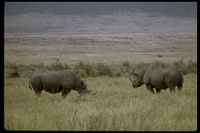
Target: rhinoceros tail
point(30, 86)
point(180, 84)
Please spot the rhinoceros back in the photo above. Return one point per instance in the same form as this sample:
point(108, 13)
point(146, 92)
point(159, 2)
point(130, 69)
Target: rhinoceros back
point(163, 77)
point(55, 81)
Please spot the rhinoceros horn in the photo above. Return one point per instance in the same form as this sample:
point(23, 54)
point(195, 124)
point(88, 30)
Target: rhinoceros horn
point(93, 93)
point(131, 77)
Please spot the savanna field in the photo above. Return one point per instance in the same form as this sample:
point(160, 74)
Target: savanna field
point(105, 62)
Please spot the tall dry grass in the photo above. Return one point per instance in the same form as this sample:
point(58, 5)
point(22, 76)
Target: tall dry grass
point(115, 107)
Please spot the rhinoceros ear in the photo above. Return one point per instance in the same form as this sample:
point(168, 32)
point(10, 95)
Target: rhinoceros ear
point(131, 77)
point(135, 74)
point(82, 83)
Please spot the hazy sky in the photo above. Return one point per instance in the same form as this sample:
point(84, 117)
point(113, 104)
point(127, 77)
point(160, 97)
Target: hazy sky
point(95, 8)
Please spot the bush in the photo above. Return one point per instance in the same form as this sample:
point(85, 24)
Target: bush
point(14, 74)
point(191, 67)
point(12, 66)
point(84, 69)
point(94, 70)
point(103, 70)
point(125, 64)
point(186, 68)
point(56, 66)
point(160, 64)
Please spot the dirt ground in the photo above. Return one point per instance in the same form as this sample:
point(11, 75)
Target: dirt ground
point(104, 48)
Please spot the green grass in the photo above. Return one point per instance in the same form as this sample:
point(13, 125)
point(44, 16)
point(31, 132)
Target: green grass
point(116, 107)
point(85, 69)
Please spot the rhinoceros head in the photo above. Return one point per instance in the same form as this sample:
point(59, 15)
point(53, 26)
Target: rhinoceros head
point(83, 88)
point(136, 80)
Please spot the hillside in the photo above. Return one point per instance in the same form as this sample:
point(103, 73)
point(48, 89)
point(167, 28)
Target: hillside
point(188, 9)
point(100, 17)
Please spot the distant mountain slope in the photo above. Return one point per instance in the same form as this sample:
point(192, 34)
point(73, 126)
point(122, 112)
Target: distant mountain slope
point(99, 18)
point(183, 9)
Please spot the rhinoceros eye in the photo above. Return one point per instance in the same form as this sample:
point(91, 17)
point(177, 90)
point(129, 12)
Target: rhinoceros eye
point(83, 83)
point(135, 74)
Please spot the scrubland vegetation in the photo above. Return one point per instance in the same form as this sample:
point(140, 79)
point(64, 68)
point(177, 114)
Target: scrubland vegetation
point(103, 50)
point(116, 106)
point(84, 69)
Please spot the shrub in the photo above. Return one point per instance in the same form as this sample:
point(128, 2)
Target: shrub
point(85, 69)
point(103, 69)
point(160, 64)
point(125, 64)
point(14, 74)
point(191, 67)
point(55, 66)
point(12, 66)
point(94, 70)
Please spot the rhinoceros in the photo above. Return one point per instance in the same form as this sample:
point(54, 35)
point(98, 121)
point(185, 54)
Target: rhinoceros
point(57, 81)
point(158, 78)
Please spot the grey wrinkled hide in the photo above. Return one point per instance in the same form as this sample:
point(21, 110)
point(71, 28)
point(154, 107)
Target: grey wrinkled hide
point(158, 78)
point(57, 81)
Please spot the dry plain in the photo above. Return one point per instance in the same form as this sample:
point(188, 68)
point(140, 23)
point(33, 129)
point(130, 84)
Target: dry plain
point(116, 106)
point(106, 48)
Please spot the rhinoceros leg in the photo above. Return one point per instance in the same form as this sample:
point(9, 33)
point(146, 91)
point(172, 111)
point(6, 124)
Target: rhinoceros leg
point(172, 89)
point(150, 88)
point(158, 90)
point(65, 92)
point(38, 93)
point(179, 88)
point(38, 89)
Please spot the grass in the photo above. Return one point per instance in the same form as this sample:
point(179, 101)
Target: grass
point(115, 107)
point(84, 69)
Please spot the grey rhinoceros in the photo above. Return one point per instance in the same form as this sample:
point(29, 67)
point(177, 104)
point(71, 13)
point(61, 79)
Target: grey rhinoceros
point(57, 81)
point(158, 78)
